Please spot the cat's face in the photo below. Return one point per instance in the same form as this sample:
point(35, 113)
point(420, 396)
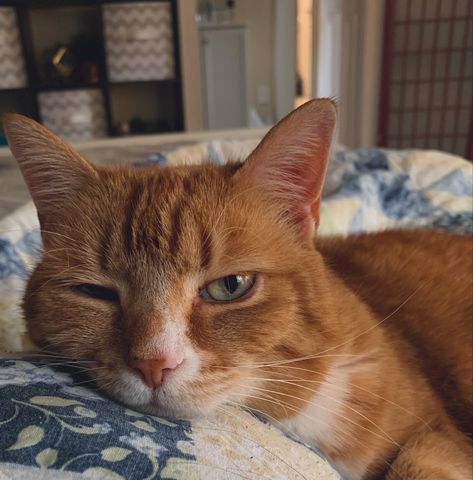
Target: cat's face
point(204, 268)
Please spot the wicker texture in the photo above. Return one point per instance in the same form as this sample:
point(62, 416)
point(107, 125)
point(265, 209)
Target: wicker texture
point(139, 43)
point(12, 66)
point(75, 115)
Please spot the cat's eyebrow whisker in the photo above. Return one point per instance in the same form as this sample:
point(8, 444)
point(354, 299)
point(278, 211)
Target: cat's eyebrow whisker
point(50, 232)
point(213, 227)
point(68, 269)
point(61, 249)
point(69, 227)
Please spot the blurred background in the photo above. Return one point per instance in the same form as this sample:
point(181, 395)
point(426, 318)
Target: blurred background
point(400, 70)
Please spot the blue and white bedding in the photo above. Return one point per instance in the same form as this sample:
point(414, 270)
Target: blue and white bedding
point(55, 425)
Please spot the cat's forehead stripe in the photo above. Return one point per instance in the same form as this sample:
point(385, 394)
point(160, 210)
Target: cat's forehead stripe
point(161, 219)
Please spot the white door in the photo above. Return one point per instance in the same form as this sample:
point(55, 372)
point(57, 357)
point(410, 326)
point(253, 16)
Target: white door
point(223, 58)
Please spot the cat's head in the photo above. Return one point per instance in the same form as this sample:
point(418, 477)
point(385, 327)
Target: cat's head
point(178, 282)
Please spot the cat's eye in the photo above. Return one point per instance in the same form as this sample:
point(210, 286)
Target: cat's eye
point(98, 292)
point(231, 287)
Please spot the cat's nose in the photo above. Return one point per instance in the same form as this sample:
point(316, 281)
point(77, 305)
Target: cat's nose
point(154, 370)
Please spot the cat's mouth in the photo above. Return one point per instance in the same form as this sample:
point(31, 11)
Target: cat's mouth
point(182, 393)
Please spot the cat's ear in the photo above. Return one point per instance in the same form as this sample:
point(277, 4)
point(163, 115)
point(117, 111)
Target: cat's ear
point(53, 171)
point(291, 161)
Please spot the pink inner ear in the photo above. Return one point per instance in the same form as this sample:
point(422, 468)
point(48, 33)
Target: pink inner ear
point(308, 218)
point(291, 161)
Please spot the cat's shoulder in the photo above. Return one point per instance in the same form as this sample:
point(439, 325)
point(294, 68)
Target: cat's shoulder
point(398, 247)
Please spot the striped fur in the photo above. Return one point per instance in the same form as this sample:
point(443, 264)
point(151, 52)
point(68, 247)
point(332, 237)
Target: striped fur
point(361, 347)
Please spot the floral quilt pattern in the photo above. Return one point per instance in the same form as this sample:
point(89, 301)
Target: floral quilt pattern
point(60, 425)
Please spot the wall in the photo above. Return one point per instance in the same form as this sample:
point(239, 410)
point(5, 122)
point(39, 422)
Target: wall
point(347, 67)
point(192, 88)
point(258, 17)
point(284, 57)
point(304, 55)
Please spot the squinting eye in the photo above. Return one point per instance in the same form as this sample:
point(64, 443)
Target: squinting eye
point(228, 288)
point(98, 292)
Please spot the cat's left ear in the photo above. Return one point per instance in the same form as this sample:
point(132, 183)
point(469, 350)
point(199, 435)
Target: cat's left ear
point(290, 162)
point(53, 171)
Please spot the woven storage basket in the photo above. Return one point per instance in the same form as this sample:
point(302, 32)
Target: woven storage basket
point(75, 115)
point(12, 66)
point(139, 42)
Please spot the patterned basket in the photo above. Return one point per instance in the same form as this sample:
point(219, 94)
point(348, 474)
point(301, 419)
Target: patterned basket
point(75, 115)
point(138, 38)
point(12, 67)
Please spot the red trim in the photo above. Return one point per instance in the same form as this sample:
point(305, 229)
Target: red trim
point(386, 72)
point(427, 51)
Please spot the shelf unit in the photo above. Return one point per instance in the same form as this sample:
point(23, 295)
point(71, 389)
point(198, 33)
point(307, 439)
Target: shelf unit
point(145, 106)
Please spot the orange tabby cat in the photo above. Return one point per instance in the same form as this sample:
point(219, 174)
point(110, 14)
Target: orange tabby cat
point(193, 286)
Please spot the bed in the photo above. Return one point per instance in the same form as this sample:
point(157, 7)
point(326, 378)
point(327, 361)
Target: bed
point(56, 425)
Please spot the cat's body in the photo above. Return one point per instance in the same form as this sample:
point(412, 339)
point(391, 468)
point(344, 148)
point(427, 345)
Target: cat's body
point(412, 380)
point(192, 287)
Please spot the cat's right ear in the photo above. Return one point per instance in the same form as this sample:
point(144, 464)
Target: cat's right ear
point(289, 164)
point(53, 171)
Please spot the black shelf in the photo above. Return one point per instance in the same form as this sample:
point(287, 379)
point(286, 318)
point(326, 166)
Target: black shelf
point(14, 90)
point(166, 92)
point(69, 86)
point(67, 3)
point(161, 81)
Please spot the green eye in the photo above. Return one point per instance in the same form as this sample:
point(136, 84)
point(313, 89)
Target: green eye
point(229, 288)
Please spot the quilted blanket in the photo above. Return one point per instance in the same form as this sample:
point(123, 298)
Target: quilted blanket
point(56, 425)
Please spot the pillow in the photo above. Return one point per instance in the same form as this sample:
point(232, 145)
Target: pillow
point(53, 421)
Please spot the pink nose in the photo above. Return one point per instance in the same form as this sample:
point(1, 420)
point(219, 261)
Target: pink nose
point(153, 370)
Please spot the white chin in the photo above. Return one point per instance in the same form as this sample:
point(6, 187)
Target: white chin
point(165, 402)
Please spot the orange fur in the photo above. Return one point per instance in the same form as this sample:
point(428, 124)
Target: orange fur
point(361, 346)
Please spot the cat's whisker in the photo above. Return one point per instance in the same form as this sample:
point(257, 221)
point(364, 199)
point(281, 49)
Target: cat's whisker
point(54, 277)
point(61, 235)
point(351, 384)
point(246, 437)
point(353, 439)
point(255, 365)
point(283, 427)
point(299, 359)
point(234, 436)
point(273, 419)
point(385, 436)
point(344, 404)
point(374, 326)
point(216, 223)
point(85, 382)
